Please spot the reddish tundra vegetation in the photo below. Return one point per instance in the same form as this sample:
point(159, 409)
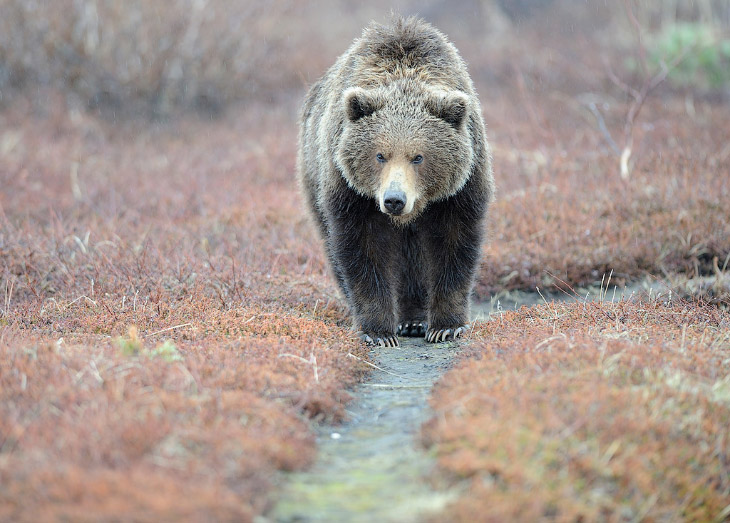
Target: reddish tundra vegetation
point(612, 411)
point(168, 330)
point(165, 323)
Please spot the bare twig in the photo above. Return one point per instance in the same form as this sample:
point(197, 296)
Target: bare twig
point(575, 293)
point(351, 355)
point(616, 80)
point(555, 313)
point(82, 297)
point(170, 328)
point(311, 361)
point(649, 85)
point(592, 107)
point(9, 284)
point(637, 27)
point(604, 291)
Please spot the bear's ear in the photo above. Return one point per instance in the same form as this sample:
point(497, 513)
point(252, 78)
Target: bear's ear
point(359, 103)
point(449, 106)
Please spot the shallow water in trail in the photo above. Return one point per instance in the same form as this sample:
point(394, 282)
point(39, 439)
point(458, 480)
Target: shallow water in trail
point(373, 468)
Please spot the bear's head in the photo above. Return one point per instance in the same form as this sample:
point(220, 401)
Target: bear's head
point(405, 145)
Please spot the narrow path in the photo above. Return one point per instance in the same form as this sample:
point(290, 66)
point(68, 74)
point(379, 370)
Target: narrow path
point(373, 468)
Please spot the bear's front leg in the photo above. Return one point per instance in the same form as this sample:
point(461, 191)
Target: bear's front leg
point(413, 293)
point(453, 237)
point(362, 240)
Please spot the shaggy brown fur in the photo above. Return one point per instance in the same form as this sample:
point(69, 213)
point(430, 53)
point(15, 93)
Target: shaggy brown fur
point(396, 170)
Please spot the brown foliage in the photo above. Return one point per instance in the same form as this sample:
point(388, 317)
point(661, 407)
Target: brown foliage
point(562, 209)
point(596, 411)
point(162, 329)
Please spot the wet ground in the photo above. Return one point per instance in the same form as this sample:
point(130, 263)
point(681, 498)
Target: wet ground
point(372, 468)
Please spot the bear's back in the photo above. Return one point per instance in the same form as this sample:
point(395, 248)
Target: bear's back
point(407, 49)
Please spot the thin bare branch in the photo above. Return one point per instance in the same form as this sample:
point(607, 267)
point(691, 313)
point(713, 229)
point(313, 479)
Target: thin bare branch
point(593, 108)
point(351, 355)
point(170, 328)
point(637, 27)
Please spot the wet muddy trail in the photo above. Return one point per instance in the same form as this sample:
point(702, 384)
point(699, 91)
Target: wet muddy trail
point(373, 467)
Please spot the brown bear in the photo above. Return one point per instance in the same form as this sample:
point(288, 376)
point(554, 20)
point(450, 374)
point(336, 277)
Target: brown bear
point(396, 170)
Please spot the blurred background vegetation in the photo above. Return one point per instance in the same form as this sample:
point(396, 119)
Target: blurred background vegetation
point(161, 56)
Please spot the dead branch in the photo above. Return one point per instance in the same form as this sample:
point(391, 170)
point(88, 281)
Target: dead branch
point(639, 96)
point(637, 27)
point(593, 108)
point(649, 85)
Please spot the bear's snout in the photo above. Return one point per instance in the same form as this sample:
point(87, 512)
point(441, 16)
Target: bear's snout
point(397, 194)
point(394, 202)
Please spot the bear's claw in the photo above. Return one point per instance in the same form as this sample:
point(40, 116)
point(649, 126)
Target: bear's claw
point(414, 328)
point(439, 335)
point(379, 340)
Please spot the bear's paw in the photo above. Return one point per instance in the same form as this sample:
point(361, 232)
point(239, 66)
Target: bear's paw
point(379, 339)
point(439, 335)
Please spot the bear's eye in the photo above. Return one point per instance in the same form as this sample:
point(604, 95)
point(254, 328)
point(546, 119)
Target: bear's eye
point(417, 159)
point(380, 157)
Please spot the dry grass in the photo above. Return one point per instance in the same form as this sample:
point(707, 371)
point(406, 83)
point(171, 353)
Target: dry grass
point(585, 412)
point(562, 209)
point(713, 289)
point(166, 319)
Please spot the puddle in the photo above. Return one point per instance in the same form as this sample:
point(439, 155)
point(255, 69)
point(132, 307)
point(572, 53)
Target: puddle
point(372, 468)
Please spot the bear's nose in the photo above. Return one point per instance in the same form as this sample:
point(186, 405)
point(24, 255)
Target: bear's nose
point(394, 201)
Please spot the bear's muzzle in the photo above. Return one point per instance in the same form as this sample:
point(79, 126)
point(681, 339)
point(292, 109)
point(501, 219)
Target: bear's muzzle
point(397, 192)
